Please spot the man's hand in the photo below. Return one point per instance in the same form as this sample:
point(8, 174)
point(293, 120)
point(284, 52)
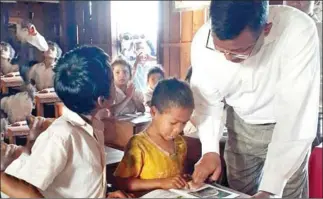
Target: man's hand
point(119, 194)
point(209, 164)
point(262, 194)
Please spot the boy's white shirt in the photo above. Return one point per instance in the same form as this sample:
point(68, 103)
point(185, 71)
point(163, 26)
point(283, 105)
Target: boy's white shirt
point(67, 161)
point(43, 76)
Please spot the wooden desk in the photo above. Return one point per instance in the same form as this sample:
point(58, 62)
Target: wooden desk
point(43, 98)
point(10, 82)
point(119, 130)
point(14, 131)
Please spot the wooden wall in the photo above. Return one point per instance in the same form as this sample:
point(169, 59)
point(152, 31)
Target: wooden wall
point(45, 16)
point(178, 30)
point(86, 23)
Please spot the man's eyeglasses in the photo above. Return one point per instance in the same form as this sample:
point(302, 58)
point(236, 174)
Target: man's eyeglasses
point(250, 51)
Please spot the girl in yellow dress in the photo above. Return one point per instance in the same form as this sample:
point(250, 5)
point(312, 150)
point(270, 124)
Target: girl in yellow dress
point(154, 159)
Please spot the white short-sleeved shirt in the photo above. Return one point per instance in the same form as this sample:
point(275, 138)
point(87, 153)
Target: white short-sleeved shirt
point(67, 161)
point(43, 76)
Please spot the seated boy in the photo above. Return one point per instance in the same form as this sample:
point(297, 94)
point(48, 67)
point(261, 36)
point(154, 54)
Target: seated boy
point(154, 75)
point(154, 159)
point(68, 159)
point(42, 73)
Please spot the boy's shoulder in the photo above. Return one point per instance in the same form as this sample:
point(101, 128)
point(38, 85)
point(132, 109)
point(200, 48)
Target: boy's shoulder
point(60, 128)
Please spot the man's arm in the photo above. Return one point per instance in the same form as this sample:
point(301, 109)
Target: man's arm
point(16, 188)
point(296, 110)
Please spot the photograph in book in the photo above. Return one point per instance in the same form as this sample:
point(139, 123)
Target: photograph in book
point(206, 191)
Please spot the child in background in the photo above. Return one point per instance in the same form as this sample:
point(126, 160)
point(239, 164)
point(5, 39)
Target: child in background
point(128, 100)
point(154, 75)
point(154, 159)
point(68, 160)
point(42, 73)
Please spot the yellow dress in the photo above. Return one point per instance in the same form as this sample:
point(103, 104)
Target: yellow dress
point(143, 159)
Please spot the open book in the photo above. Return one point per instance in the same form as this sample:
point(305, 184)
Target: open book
point(206, 191)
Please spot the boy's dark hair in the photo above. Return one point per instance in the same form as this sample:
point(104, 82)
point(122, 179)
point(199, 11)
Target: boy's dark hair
point(121, 60)
point(58, 49)
point(82, 75)
point(229, 18)
point(172, 93)
point(189, 74)
point(155, 70)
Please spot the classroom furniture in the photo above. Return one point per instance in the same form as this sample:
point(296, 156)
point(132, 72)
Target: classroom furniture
point(15, 131)
point(315, 173)
point(10, 82)
point(59, 107)
point(44, 98)
point(119, 130)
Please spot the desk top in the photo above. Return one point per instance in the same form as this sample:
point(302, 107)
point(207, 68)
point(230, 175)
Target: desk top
point(113, 155)
point(135, 119)
point(7, 81)
point(47, 97)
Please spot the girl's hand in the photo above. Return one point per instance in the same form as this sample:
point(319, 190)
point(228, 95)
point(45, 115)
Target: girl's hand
point(177, 182)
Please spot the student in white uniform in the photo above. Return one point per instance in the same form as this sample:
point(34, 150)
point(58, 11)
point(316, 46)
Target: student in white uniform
point(68, 159)
point(265, 64)
point(42, 73)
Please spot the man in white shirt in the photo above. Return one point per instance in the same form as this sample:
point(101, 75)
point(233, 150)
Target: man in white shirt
point(308, 8)
point(265, 64)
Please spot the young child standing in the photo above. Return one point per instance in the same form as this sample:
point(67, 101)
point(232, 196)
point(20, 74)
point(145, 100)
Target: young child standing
point(67, 160)
point(128, 100)
point(155, 158)
point(154, 75)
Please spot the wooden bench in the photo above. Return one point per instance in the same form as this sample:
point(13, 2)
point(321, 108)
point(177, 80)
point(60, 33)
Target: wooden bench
point(15, 131)
point(44, 98)
point(10, 82)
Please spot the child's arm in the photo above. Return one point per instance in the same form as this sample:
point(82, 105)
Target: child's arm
point(139, 102)
point(135, 184)
point(16, 188)
point(117, 108)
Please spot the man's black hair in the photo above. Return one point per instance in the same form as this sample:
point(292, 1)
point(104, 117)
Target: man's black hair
point(230, 18)
point(189, 74)
point(155, 70)
point(172, 93)
point(83, 75)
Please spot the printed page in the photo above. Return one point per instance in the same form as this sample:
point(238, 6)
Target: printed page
point(159, 193)
point(206, 191)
